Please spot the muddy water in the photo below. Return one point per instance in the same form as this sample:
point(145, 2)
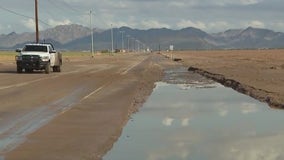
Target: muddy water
point(200, 120)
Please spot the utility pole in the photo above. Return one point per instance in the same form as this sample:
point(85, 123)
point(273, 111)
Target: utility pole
point(122, 40)
point(138, 46)
point(92, 34)
point(134, 44)
point(36, 21)
point(111, 39)
point(128, 38)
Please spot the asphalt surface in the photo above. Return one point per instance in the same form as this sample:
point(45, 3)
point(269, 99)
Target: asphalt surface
point(76, 114)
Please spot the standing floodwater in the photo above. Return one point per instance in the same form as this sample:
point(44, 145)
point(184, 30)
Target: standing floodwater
point(201, 121)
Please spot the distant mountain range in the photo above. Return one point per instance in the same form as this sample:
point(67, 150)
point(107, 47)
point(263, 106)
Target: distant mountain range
point(77, 37)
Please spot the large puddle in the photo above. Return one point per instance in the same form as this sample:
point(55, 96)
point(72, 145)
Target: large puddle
point(201, 120)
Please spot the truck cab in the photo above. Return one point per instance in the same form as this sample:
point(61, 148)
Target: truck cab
point(36, 56)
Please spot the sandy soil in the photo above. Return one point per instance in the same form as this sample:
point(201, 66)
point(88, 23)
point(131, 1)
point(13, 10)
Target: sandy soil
point(258, 73)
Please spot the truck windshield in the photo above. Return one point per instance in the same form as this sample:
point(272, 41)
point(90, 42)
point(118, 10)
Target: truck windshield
point(35, 48)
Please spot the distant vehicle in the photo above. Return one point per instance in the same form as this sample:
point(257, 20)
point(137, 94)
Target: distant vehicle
point(40, 56)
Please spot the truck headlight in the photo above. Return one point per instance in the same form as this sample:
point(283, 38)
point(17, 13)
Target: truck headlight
point(45, 58)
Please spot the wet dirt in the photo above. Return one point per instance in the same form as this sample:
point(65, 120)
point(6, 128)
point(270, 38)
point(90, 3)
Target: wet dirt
point(200, 120)
point(258, 94)
point(116, 86)
point(88, 121)
point(257, 73)
point(16, 128)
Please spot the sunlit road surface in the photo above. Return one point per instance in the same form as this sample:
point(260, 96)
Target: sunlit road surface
point(32, 103)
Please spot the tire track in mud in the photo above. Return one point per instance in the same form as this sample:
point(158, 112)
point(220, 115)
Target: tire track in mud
point(25, 83)
point(110, 78)
point(84, 68)
point(14, 132)
point(258, 94)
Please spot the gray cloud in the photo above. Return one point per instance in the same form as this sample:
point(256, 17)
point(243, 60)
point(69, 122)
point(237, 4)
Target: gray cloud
point(211, 16)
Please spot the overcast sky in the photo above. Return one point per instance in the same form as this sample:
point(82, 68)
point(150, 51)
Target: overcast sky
point(209, 15)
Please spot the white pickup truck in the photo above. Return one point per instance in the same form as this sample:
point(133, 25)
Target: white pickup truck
point(36, 56)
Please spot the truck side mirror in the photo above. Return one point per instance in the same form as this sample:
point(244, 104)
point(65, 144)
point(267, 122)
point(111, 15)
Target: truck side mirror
point(18, 50)
point(52, 51)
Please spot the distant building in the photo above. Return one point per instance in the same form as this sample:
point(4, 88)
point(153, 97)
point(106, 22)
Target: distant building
point(171, 47)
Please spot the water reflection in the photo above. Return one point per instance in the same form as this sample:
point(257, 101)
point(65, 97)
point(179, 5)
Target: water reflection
point(184, 122)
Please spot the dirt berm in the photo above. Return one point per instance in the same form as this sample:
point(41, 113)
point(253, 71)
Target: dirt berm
point(257, 73)
point(259, 94)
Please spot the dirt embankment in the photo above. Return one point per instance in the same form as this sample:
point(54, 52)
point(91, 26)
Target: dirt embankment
point(259, 94)
point(257, 73)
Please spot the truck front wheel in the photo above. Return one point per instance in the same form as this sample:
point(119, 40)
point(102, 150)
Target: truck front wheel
point(57, 69)
point(19, 69)
point(47, 68)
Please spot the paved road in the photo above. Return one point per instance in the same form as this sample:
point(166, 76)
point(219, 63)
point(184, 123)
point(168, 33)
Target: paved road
point(76, 114)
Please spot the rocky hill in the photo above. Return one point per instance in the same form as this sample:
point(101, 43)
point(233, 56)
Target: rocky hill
point(251, 38)
point(77, 37)
point(59, 35)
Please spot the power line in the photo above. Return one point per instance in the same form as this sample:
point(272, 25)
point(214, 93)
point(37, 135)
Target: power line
point(16, 13)
point(61, 8)
point(55, 5)
point(22, 15)
point(45, 8)
point(65, 6)
point(72, 8)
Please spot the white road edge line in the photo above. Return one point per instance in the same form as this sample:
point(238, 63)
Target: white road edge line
point(122, 73)
point(131, 67)
point(84, 98)
point(25, 83)
point(33, 81)
point(94, 92)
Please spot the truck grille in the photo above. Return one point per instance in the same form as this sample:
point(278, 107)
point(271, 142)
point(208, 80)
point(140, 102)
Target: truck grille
point(31, 58)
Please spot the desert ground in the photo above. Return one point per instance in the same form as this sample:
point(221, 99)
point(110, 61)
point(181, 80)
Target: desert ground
point(258, 73)
point(80, 112)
